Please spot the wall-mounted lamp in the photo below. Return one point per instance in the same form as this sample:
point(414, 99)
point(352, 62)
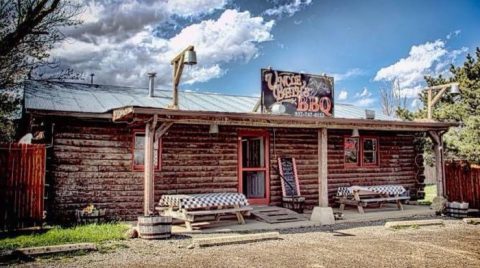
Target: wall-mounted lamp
point(454, 90)
point(213, 129)
point(189, 57)
point(278, 108)
point(355, 133)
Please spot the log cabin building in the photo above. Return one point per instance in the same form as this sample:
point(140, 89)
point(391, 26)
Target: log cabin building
point(105, 139)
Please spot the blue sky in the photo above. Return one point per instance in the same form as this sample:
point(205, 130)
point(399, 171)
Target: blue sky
point(365, 45)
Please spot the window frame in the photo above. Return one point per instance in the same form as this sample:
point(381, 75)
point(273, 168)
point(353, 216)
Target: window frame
point(363, 164)
point(360, 163)
point(136, 167)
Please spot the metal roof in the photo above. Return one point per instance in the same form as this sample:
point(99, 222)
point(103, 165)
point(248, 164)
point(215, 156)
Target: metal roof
point(86, 98)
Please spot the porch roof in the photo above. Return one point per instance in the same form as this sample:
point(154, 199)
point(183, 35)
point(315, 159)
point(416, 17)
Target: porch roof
point(141, 114)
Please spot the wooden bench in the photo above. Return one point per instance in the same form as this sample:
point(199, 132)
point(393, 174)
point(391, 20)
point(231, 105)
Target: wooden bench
point(361, 197)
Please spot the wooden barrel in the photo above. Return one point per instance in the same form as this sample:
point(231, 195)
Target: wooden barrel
point(154, 227)
point(457, 209)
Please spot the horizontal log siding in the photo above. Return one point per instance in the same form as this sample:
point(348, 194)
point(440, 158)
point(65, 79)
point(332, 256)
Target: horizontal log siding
point(302, 145)
point(92, 162)
point(195, 161)
point(396, 156)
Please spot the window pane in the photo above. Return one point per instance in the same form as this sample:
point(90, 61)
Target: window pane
point(369, 158)
point(138, 158)
point(351, 150)
point(369, 145)
point(252, 150)
point(139, 153)
point(139, 141)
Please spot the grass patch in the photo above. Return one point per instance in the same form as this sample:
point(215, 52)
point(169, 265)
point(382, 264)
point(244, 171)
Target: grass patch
point(430, 193)
point(92, 233)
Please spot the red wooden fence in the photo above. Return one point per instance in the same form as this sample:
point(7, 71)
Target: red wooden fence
point(22, 184)
point(462, 183)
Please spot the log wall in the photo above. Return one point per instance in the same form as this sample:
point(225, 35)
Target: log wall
point(92, 162)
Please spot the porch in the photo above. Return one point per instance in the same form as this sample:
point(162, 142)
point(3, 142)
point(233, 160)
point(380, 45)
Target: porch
point(230, 225)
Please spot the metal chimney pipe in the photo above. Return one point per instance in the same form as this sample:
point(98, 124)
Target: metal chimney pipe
point(91, 78)
point(151, 84)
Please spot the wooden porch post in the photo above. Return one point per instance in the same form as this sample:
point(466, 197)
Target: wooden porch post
point(438, 150)
point(322, 167)
point(148, 198)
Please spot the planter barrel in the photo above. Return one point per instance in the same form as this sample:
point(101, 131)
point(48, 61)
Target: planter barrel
point(457, 209)
point(154, 227)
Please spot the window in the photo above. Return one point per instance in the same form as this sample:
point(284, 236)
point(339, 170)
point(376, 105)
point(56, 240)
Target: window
point(360, 151)
point(369, 152)
point(139, 152)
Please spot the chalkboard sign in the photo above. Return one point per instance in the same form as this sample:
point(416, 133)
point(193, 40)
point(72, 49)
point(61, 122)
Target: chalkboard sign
point(288, 170)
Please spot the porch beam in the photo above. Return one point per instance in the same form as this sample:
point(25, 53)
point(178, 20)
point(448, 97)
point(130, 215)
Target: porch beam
point(148, 198)
point(437, 140)
point(162, 129)
point(322, 167)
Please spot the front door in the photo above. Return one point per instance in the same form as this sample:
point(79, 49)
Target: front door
point(253, 166)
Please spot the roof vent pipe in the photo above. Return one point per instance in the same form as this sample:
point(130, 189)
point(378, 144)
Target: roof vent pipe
point(151, 84)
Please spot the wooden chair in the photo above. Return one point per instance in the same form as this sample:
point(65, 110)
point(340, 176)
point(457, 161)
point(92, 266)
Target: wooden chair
point(291, 195)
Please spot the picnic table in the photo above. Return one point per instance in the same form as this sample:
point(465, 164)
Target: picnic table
point(360, 196)
point(187, 206)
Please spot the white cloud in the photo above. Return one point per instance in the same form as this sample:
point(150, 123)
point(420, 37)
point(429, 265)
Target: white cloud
point(453, 34)
point(126, 58)
point(343, 95)
point(189, 8)
point(232, 37)
point(287, 9)
point(349, 74)
point(431, 58)
point(364, 94)
point(363, 98)
point(364, 102)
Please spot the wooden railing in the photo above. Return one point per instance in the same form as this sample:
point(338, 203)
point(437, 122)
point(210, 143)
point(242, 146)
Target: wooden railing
point(462, 183)
point(22, 184)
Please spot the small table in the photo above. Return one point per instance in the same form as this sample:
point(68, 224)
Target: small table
point(360, 196)
point(186, 206)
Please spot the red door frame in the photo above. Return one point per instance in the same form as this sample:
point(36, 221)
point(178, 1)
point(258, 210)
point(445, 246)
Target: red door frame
point(266, 168)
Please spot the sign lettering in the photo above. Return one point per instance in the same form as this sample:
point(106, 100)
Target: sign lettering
point(301, 94)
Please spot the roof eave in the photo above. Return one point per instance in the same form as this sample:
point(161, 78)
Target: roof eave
point(268, 120)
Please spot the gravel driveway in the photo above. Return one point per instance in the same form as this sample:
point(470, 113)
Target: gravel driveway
point(453, 245)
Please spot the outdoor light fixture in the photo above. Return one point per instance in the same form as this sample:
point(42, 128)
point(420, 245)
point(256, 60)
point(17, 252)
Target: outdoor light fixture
point(188, 57)
point(213, 129)
point(454, 89)
point(355, 133)
point(278, 108)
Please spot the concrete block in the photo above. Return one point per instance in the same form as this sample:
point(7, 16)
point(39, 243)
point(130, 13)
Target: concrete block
point(323, 215)
point(402, 224)
point(234, 239)
point(55, 249)
point(473, 221)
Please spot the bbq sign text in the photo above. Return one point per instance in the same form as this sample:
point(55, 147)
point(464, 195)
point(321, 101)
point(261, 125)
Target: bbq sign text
point(300, 94)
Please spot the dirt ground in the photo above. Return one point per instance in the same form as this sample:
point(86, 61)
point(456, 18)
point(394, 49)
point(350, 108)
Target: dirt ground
point(453, 245)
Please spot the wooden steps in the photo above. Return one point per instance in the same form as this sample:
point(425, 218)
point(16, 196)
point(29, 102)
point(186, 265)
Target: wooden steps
point(273, 215)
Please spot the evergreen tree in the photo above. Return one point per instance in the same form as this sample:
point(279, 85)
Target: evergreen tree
point(463, 141)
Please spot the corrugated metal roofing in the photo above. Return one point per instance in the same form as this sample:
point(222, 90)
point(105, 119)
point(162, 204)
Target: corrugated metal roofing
point(77, 97)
